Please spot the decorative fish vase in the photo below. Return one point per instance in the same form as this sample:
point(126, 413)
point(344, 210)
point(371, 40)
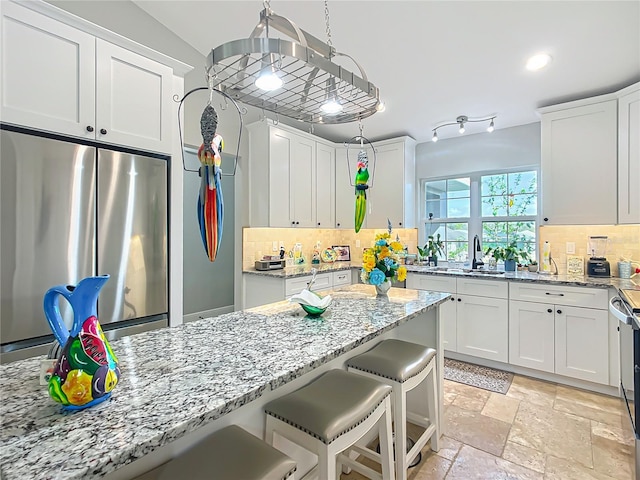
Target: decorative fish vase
point(86, 372)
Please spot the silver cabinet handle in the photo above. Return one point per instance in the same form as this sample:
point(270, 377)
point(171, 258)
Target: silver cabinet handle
point(555, 294)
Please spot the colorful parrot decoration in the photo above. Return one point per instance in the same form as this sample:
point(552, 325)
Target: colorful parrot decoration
point(362, 176)
point(210, 201)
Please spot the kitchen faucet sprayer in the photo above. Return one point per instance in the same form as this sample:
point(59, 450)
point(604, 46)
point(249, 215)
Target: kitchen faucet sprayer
point(476, 248)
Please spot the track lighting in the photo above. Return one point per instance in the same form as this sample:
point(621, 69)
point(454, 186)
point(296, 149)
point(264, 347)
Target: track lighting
point(460, 121)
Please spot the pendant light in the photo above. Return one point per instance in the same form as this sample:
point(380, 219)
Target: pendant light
point(267, 79)
point(331, 105)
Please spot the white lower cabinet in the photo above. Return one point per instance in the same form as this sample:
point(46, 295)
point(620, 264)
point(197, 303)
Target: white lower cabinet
point(531, 335)
point(482, 327)
point(264, 289)
point(582, 347)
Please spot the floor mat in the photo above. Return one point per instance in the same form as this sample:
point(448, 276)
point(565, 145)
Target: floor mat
point(477, 376)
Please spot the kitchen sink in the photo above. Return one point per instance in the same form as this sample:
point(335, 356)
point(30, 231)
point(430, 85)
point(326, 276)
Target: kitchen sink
point(484, 272)
point(464, 270)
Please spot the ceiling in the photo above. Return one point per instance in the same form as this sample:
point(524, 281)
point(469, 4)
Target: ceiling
point(435, 60)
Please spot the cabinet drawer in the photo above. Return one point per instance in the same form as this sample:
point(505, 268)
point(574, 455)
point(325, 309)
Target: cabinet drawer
point(560, 295)
point(342, 278)
point(296, 285)
point(433, 283)
point(483, 288)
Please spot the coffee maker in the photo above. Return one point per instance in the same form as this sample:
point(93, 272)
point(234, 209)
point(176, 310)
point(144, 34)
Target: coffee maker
point(597, 265)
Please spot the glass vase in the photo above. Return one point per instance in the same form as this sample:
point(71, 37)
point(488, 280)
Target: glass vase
point(383, 288)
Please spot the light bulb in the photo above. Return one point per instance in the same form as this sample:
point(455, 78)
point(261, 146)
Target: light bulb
point(490, 127)
point(268, 80)
point(434, 139)
point(331, 107)
point(461, 130)
point(538, 61)
point(381, 107)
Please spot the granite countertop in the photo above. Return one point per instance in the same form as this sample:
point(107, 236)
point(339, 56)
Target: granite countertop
point(569, 280)
point(207, 368)
point(302, 270)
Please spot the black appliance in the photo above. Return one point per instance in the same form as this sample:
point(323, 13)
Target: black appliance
point(598, 267)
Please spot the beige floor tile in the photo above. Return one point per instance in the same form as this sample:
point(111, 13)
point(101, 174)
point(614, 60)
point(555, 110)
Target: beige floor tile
point(449, 447)
point(501, 407)
point(524, 456)
point(590, 399)
point(449, 396)
point(474, 464)
point(475, 429)
point(546, 430)
point(532, 391)
point(621, 435)
point(473, 403)
point(613, 458)
point(432, 467)
point(614, 419)
point(562, 469)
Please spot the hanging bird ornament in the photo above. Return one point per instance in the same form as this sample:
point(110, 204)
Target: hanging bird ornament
point(210, 201)
point(362, 177)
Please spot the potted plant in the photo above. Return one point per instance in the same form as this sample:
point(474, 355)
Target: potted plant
point(533, 266)
point(509, 254)
point(432, 248)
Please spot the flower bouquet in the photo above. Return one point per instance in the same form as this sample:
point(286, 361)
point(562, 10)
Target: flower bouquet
point(381, 264)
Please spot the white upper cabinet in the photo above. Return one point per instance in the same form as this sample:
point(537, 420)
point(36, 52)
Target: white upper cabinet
point(61, 79)
point(629, 154)
point(392, 193)
point(579, 162)
point(292, 177)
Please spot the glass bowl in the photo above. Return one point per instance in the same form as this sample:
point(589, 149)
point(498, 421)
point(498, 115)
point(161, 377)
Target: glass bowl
point(313, 311)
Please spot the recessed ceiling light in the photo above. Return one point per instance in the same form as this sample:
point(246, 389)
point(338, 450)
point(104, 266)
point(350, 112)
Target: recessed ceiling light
point(538, 61)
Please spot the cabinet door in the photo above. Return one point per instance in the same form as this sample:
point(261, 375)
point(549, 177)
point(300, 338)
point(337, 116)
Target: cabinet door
point(387, 193)
point(579, 164)
point(303, 187)
point(582, 343)
point(531, 335)
point(482, 327)
point(325, 185)
point(629, 157)
point(345, 191)
point(48, 73)
point(279, 159)
point(133, 103)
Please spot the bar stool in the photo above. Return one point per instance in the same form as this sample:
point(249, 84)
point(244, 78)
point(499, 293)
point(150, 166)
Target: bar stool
point(228, 454)
point(331, 414)
point(404, 366)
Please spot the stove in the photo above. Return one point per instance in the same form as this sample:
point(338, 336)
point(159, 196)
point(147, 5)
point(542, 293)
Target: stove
point(632, 299)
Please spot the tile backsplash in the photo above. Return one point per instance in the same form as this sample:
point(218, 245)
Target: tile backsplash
point(623, 242)
point(257, 242)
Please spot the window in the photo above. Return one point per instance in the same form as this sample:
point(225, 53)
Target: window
point(499, 208)
point(448, 208)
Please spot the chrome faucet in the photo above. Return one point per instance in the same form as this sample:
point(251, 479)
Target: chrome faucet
point(476, 248)
point(554, 264)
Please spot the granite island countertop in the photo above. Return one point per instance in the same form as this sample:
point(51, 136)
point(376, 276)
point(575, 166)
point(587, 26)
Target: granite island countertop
point(200, 367)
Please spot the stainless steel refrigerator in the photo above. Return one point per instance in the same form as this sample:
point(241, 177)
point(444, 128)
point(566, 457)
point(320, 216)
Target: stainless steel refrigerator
point(71, 210)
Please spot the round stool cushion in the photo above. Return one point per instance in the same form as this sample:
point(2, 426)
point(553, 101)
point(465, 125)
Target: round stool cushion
point(394, 359)
point(228, 454)
point(331, 405)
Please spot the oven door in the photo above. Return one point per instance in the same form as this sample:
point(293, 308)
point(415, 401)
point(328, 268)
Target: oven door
point(629, 347)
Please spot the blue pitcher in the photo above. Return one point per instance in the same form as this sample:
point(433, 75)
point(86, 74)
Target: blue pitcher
point(87, 370)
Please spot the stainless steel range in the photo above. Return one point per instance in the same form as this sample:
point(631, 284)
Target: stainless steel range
point(626, 308)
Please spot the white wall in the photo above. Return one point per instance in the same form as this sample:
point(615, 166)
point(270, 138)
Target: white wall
point(482, 152)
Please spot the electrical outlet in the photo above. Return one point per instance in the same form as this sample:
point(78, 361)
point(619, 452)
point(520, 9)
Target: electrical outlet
point(571, 247)
point(357, 243)
point(275, 246)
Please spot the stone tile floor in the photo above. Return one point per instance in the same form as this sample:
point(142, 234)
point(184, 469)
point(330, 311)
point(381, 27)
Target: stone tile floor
point(538, 430)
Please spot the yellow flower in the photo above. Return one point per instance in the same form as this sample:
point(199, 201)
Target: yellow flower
point(77, 387)
point(396, 246)
point(402, 274)
point(382, 236)
point(368, 263)
point(384, 253)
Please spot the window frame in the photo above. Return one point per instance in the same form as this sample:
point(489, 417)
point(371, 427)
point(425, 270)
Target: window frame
point(476, 219)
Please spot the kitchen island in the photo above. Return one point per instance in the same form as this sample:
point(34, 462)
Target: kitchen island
point(180, 384)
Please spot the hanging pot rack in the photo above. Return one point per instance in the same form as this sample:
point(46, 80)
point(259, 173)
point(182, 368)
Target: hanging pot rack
point(305, 66)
